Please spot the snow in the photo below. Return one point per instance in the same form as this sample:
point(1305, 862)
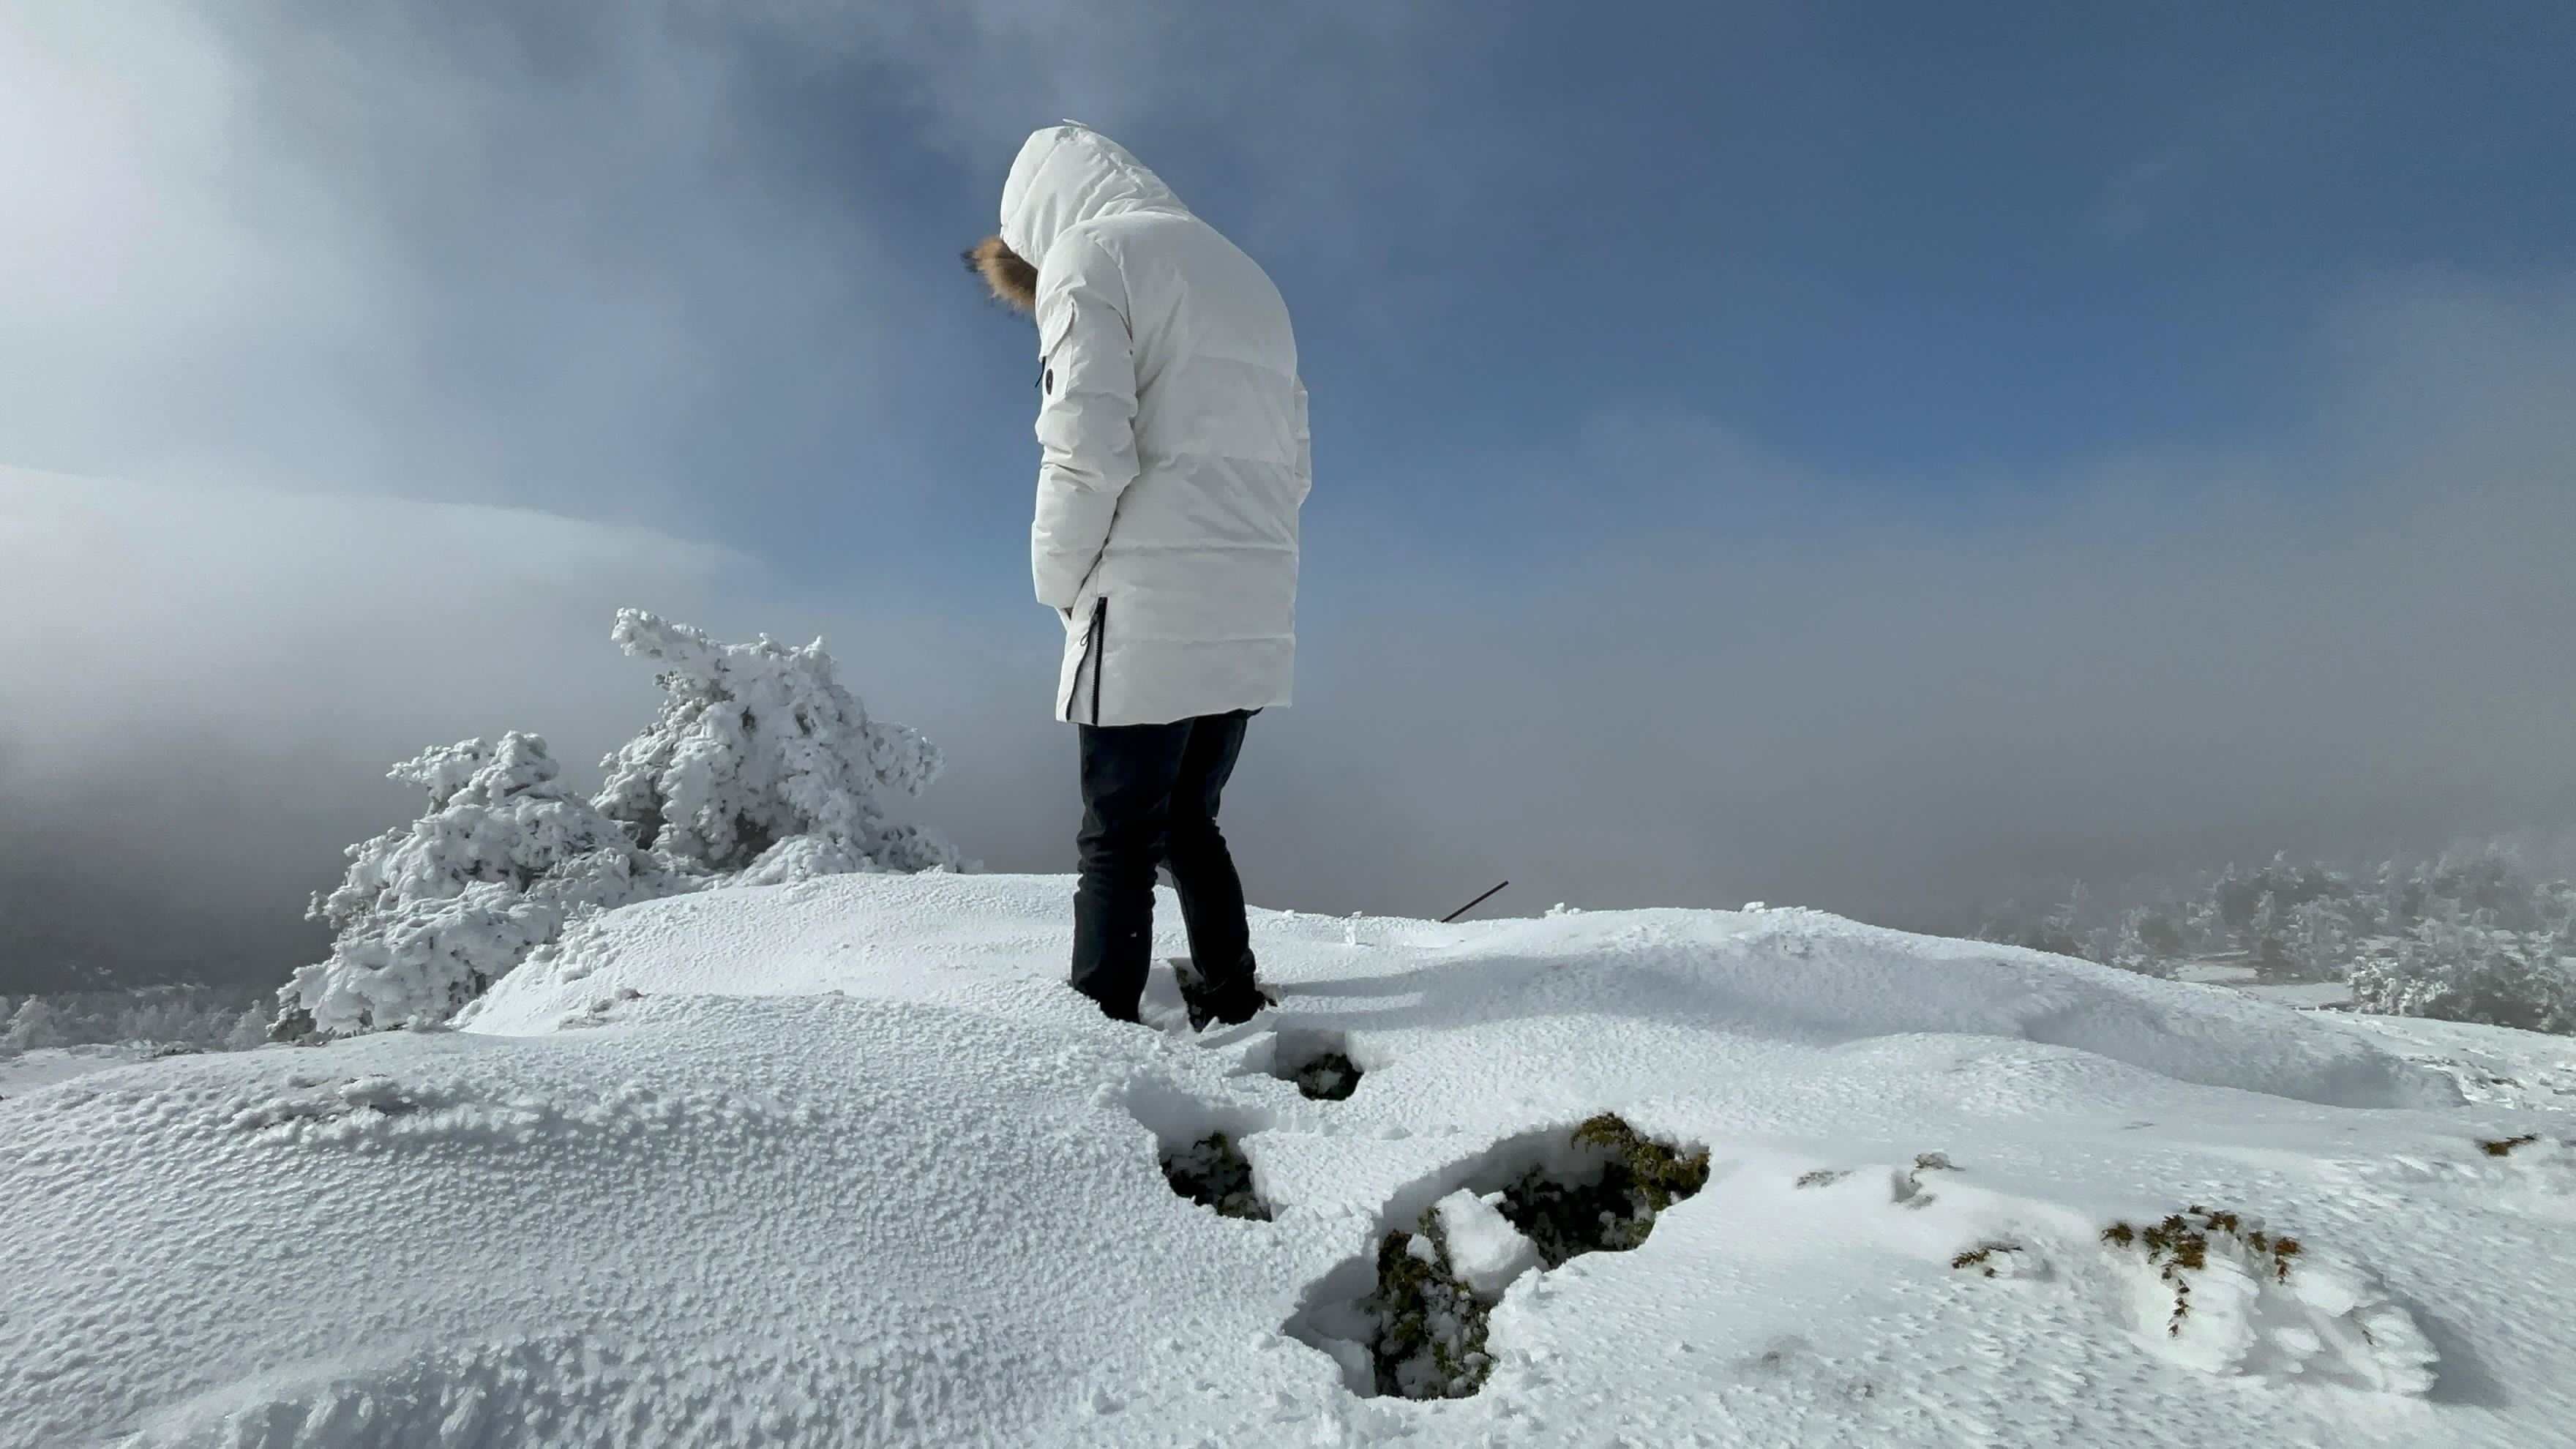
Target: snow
point(842, 1162)
point(2310, 994)
point(1485, 1250)
point(24, 1072)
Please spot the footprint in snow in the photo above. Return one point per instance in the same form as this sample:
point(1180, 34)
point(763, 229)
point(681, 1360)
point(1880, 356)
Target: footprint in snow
point(1317, 1063)
point(1408, 1320)
point(1200, 1146)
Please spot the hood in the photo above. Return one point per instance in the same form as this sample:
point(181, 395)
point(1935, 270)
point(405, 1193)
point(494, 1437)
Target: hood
point(1068, 174)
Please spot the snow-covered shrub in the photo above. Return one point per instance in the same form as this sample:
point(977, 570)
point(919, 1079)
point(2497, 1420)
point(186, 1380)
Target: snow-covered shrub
point(192, 1018)
point(2472, 971)
point(433, 912)
point(1431, 1323)
point(2475, 932)
point(758, 769)
point(2208, 1288)
point(35, 1024)
point(761, 764)
point(2318, 945)
point(197, 1018)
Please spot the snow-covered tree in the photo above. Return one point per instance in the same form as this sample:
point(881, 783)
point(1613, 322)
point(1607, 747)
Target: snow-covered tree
point(2396, 901)
point(761, 765)
point(759, 768)
point(2318, 944)
point(2462, 932)
point(36, 1023)
point(2136, 943)
point(167, 1017)
point(2159, 931)
point(433, 912)
point(2489, 878)
point(2267, 936)
point(2469, 970)
point(2205, 925)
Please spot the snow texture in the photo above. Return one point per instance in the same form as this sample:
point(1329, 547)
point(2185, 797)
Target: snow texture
point(842, 1162)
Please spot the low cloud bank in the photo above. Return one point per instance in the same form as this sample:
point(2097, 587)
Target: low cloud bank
point(200, 690)
point(1761, 685)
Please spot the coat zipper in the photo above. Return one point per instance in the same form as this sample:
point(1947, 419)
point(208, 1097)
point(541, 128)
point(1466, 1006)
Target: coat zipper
point(1092, 649)
point(1099, 651)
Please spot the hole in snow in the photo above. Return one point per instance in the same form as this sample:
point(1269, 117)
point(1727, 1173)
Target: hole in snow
point(1201, 1147)
point(1410, 1320)
point(1317, 1062)
point(1214, 1173)
point(1331, 1077)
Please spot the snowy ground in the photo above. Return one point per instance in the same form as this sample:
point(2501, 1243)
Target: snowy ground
point(2310, 994)
point(841, 1163)
point(24, 1072)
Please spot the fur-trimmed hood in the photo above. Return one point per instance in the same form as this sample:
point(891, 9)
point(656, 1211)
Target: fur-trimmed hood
point(1064, 175)
point(1014, 282)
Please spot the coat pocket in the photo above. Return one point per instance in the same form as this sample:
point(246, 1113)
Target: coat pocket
point(1051, 335)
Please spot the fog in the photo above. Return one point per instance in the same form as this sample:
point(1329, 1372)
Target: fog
point(1801, 696)
point(322, 550)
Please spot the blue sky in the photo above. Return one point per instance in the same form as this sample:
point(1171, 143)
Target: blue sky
point(1945, 253)
point(1869, 454)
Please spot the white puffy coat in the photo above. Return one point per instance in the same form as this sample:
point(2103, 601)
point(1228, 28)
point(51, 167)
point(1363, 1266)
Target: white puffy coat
point(1173, 438)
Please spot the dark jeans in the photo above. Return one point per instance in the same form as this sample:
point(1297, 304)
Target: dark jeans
point(1149, 797)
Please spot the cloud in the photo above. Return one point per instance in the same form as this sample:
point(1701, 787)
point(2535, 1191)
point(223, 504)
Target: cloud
point(200, 690)
point(661, 266)
point(526, 255)
point(1758, 683)
point(2252, 126)
point(665, 267)
point(1754, 682)
point(1813, 690)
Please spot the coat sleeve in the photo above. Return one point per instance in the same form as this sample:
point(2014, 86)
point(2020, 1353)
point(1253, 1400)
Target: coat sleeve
point(1087, 424)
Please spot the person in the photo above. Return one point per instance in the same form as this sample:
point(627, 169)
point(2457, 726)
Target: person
point(1174, 457)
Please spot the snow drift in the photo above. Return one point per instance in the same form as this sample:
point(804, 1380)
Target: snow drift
point(842, 1162)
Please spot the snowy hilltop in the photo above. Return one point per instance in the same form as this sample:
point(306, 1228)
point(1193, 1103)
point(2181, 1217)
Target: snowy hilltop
point(842, 1162)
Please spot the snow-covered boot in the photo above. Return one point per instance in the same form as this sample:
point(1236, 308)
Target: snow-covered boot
point(1233, 1003)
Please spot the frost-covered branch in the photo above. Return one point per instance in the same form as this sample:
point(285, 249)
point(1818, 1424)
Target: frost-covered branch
point(760, 763)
